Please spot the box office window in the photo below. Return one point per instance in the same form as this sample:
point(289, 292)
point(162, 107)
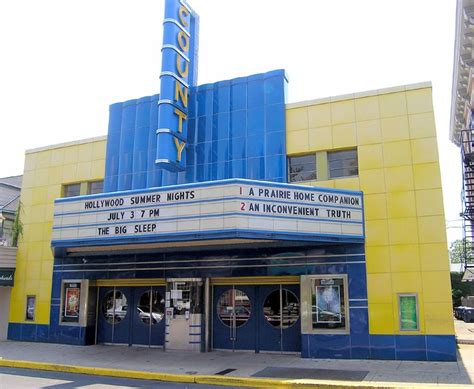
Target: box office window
point(71, 190)
point(71, 302)
point(408, 312)
point(95, 187)
point(329, 303)
point(343, 163)
point(30, 308)
point(302, 168)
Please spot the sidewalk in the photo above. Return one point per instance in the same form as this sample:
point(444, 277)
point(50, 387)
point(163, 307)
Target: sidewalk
point(464, 332)
point(189, 367)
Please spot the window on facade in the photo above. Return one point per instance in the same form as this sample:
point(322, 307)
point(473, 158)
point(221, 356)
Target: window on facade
point(72, 190)
point(343, 163)
point(329, 303)
point(95, 187)
point(302, 168)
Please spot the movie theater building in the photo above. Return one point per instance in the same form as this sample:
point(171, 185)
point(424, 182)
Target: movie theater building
point(219, 217)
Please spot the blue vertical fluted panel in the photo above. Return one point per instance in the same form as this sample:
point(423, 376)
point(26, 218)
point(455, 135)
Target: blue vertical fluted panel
point(113, 145)
point(125, 169)
point(236, 129)
point(153, 174)
point(140, 144)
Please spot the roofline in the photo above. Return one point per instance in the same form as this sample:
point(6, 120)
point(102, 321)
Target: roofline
point(67, 144)
point(10, 185)
point(454, 87)
point(374, 92)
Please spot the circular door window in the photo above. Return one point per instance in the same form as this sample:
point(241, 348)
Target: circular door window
point(281, 308)
point(151, 307)
point(234, 308)
point(114, 307)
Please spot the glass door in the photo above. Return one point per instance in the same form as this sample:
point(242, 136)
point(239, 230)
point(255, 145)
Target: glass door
point(184, 310)
point(279, 325)
point(234, 319)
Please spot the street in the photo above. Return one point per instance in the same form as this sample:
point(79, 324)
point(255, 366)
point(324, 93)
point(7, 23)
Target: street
point(33, 379)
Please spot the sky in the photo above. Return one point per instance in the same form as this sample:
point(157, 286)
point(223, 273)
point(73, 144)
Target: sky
point(62, 62)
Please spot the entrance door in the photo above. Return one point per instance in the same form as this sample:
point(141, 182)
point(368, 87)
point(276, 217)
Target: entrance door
point(234, 317)
point(148, 322)
point(184, 311)
point(114, 317)
point(279, 324)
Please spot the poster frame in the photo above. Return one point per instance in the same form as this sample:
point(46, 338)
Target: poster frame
point(417, 313)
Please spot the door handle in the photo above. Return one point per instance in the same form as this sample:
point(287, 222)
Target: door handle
point(234, 328)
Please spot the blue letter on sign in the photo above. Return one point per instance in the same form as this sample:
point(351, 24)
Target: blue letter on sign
point(178, 74)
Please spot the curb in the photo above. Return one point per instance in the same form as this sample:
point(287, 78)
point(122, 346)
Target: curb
point(208, 379)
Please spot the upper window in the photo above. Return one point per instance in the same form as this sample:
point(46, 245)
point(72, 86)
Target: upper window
point(72, 190)
point(342, 163)
point(95, 187)
point(302, 168)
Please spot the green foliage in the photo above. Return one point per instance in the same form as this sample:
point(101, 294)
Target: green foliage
point(459, 288)
point(456, 251)
point(17, 230)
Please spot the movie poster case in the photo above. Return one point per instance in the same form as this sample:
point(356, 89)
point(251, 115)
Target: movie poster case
point(73, 308)
point(324, 304)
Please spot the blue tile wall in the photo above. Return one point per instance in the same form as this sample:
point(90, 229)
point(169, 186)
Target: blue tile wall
point(236, 129)
point(385, 347)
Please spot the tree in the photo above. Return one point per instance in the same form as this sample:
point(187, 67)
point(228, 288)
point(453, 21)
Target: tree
point(17, 229)
point(456, 251)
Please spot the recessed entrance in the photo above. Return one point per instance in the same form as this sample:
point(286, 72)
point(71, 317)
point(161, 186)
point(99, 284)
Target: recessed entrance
point(131, 315)
point(257, 317)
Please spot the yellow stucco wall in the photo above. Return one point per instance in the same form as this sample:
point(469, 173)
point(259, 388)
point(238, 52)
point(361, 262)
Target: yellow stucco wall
point(406, 249)
point(45, 172)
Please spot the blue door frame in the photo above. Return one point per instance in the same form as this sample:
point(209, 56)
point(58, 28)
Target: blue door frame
point(145, 331)
point(131, 330)
point(239, 336)
point(257, 333)
point(278, 338)
point(113, 325)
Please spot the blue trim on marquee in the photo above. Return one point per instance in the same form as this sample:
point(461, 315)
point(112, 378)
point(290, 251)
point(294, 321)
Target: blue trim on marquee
point(184, 186)
point(211, 234)
point(105, 210)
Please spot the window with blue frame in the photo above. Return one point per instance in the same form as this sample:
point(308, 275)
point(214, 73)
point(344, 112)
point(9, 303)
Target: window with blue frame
point(302, 168)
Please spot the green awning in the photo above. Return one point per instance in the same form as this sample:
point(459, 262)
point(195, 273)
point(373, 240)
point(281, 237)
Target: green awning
point(7, 277)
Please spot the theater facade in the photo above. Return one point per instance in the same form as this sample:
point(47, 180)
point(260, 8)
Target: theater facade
point(220, 217)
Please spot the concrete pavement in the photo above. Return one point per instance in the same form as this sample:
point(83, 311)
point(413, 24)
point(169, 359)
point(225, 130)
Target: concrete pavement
point(464, 332)
point(186, 367)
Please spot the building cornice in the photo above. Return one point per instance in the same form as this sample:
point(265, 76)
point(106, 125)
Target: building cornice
point(462, 64)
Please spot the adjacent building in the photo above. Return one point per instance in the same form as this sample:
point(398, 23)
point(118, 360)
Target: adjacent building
point(9, 202)
point(461, 128)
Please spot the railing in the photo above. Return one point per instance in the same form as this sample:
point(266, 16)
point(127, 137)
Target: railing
point(467, 155)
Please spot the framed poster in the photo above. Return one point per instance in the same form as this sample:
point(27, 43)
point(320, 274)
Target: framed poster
point(329, 303)
point(71, 301)
point(408, 312)
point(30, 308)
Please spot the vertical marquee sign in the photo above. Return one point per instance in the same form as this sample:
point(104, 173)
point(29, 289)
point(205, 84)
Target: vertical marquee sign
point(178, 74)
